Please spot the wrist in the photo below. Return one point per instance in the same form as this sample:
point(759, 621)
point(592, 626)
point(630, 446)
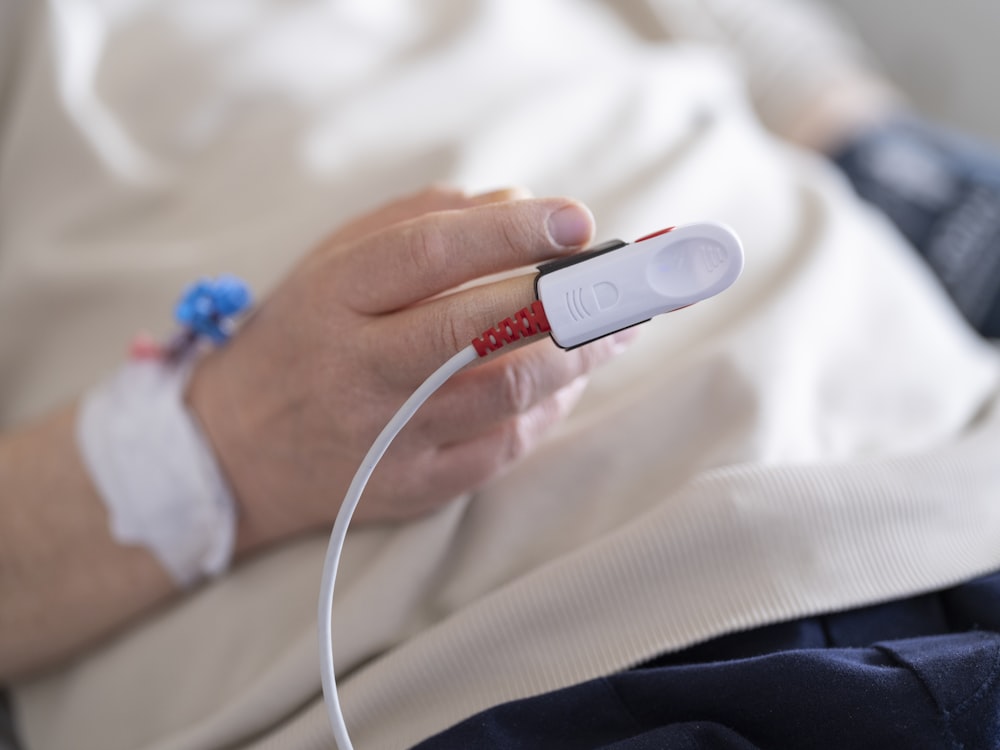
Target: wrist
point(214, 398)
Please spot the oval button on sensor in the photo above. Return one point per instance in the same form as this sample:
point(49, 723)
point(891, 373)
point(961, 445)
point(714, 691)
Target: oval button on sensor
point(619, 285)
point(687, 267)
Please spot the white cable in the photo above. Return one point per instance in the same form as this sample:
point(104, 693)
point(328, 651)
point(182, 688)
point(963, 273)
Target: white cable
point(339, 533)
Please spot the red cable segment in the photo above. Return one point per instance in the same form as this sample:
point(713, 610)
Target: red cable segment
point(526, 322)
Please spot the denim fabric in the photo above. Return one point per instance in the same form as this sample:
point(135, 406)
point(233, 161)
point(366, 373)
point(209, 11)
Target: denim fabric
point(918, 673)
point(942, 191)
point(7, 739)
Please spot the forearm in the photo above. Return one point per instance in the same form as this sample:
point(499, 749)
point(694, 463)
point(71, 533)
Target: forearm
point(64, 581)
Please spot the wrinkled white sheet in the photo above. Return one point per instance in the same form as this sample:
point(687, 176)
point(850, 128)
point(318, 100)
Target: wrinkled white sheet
point(821, 436)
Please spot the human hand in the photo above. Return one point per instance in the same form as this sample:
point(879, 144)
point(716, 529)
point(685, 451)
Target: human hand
point(292, 404)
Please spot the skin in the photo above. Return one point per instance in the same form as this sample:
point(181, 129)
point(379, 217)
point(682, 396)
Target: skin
point(293, 402)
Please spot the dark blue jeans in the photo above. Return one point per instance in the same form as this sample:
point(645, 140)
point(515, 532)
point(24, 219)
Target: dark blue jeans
point(918, 673)
point(942, 191)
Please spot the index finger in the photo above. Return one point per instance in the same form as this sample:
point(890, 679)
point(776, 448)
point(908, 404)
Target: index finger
point(417, 259)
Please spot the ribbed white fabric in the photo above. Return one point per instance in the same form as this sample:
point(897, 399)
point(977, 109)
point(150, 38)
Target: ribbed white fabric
point(819, 437)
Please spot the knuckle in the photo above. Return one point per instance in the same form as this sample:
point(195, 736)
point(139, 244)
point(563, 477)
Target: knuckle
point(565, 400)
point(452, 336)
point(593, 355)
point(516, 440)
point(509, 442)
point(516, 391)
point(523, 431)
point(441, 329)
point(426, 245)
point(513, 230)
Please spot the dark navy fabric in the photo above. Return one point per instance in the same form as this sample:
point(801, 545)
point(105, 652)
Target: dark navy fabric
point(919, 673)
point(7, 739)
point(942, 191)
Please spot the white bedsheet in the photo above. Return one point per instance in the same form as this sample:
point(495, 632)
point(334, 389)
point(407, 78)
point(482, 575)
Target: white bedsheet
point(822, 436)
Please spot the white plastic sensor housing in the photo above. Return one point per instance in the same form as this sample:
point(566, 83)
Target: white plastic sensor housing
point(616, 284)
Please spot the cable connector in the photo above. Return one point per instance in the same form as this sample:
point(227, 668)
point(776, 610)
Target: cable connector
point(528, 321)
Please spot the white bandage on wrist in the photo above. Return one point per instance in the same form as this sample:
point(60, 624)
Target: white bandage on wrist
point(155, 470)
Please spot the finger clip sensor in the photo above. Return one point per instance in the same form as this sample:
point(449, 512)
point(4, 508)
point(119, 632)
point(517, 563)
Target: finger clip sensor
point(600, 291)
point(616, 285)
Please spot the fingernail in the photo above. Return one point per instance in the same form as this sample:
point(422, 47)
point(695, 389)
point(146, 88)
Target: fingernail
point(570, 226)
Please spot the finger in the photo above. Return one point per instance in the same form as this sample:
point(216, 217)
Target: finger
point(429, 199)
point(428, 334)
point(470, 463)
point(420, 258)
point(477, 400)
